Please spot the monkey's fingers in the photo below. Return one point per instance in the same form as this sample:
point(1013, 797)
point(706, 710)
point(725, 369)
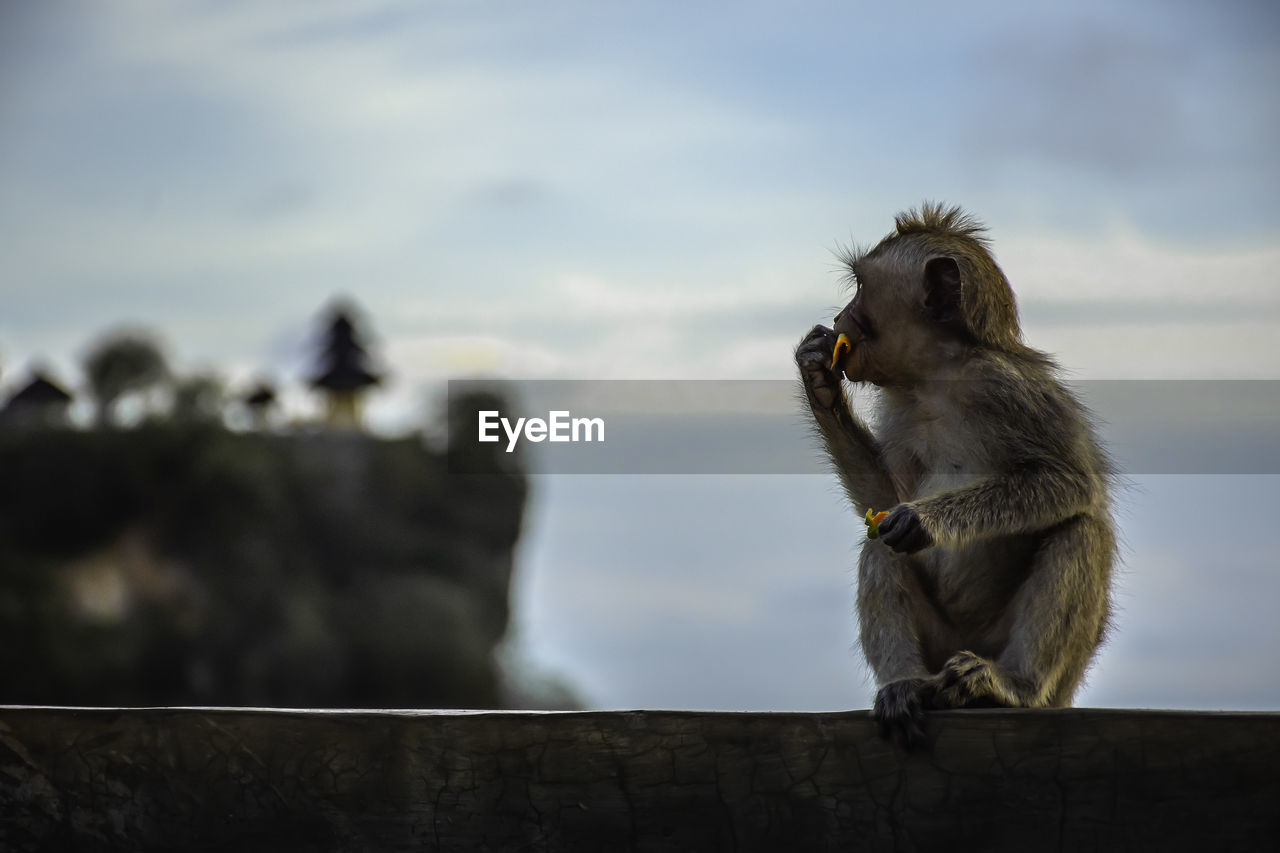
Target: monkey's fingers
point(816, 346)
point(843, 347)
point(813, 357)
point(899, 712)
point(903, 531)
point(906, 731)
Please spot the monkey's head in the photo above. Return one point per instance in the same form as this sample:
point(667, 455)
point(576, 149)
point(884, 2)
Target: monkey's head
point(926, 295)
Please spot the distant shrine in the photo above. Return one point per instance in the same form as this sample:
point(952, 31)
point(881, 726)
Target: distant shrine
point(344, 376)
point(42, 402)
point(343, 373)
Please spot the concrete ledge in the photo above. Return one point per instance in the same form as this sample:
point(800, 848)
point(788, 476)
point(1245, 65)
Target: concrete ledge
point(238, 779)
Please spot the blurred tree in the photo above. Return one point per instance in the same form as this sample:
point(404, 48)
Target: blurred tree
point(121, 363)
point(260, 401)
point(344, 375)
point(198, 399)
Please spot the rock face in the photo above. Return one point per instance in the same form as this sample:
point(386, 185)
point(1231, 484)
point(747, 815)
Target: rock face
point(190, 565)
point(208, 779)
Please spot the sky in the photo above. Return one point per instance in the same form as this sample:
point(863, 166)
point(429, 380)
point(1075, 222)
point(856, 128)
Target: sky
point(577, 190)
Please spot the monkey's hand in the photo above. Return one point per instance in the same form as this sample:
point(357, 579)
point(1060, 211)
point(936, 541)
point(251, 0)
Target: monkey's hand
point(899, 710)
point(814, 357)
point(903, 531)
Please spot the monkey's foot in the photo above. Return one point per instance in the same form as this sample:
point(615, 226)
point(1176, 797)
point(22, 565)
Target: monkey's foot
point(968, 680)
point(899, 710)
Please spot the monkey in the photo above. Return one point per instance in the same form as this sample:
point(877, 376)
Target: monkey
point(989, 584)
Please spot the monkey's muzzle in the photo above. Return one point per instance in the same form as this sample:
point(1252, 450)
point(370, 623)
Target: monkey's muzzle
point(844, 346)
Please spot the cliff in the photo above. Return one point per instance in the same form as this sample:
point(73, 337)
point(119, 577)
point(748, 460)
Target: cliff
point(175, 564)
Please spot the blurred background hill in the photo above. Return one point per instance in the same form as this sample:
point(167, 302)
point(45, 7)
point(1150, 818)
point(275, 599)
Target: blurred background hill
point(156, 556)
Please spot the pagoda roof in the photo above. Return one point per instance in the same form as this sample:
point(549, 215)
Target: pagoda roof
point(40, 391)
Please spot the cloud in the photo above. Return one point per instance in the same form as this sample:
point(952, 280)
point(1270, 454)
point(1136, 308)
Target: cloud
point(1103, 99)
point(1124, 307)
point(1160, 115)
point(1193, 629)
point(1124, 267)
point(513, 192)
point(1140, 350)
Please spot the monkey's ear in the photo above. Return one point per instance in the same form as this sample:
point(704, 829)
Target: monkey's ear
point(943, 288)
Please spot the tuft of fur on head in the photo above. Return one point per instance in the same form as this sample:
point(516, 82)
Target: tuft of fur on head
point(935, 218)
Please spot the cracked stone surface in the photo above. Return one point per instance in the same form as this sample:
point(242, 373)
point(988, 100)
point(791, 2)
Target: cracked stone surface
point(197, 779)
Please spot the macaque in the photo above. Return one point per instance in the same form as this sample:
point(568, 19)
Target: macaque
point(989, 583)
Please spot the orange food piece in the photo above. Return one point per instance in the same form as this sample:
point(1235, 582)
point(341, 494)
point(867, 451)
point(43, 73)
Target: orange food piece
point(873, 520)
point(844, 346)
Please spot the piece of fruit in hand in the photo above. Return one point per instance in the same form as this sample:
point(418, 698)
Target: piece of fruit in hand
point(873, 520)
